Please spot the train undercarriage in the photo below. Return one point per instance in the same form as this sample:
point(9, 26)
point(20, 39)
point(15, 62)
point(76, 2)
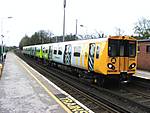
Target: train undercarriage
point(93, 78)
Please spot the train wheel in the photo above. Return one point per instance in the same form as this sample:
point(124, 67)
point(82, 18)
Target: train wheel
point(79, 75)
point(94, 80)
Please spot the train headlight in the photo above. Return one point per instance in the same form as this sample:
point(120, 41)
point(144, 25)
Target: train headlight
point(113, 60)
point(111, 66)
point(132, 66)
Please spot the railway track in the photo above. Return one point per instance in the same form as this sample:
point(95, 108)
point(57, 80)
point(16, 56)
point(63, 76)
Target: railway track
point(87, 100)
point(96, 98)
point(145, 83)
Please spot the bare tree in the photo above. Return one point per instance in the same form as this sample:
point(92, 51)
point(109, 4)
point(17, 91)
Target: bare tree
point(119, 31)
point(142, 28)
point(49, 35)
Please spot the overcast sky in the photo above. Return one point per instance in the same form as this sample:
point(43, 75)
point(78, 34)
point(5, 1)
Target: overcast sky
point(30, 16)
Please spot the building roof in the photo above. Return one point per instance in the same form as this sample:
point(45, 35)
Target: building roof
point(144, 40)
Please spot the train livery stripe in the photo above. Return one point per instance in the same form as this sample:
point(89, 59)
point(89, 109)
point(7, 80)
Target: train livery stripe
point(91, 57)
point(91, 63)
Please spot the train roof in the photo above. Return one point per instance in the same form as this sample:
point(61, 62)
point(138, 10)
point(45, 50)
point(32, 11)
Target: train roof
point(88, 40)
point(70, 42)
point(122, 37)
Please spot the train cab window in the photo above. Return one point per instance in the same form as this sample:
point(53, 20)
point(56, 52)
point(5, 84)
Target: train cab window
point(132, 48)
point(122, 50)
point(112, 48)
point(97, 52)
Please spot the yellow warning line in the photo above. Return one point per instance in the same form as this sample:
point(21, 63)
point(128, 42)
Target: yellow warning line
point(46, 89)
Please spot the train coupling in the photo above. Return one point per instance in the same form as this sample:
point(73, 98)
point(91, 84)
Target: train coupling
point(124, 78)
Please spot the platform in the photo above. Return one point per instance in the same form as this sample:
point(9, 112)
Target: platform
point(24, 90)
point(142, 74)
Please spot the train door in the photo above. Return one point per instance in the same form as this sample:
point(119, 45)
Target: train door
point(50, 53)
point(67, 54)
point(34, 54)
point(41, 52)
point(123, 57)
point(91, 56)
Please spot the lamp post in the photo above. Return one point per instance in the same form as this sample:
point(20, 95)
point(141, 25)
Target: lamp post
point(76, 27)
point(64, 21)
point(2, 36)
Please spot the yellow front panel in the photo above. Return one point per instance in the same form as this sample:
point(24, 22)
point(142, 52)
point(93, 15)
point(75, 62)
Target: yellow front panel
point(131, 61)
point(123, 64)
point(124, 59)
point(115, 62)
point(100, 64)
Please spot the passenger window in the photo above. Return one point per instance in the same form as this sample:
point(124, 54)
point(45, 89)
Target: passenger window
point(59, 52)
point(77, 51)
point(55, 51)
point(76, 54)
point(97, 52)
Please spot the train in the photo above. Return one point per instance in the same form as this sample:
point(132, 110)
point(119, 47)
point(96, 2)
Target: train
point(113, 57)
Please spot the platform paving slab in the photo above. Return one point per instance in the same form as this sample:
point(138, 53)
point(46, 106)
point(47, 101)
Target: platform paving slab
point(19, 93)
point(142, 74)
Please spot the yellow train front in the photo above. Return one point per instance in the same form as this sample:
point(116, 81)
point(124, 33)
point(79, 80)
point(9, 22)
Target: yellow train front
point(118, 59)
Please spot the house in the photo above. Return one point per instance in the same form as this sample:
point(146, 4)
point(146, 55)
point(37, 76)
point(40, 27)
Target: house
point(143, 55)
